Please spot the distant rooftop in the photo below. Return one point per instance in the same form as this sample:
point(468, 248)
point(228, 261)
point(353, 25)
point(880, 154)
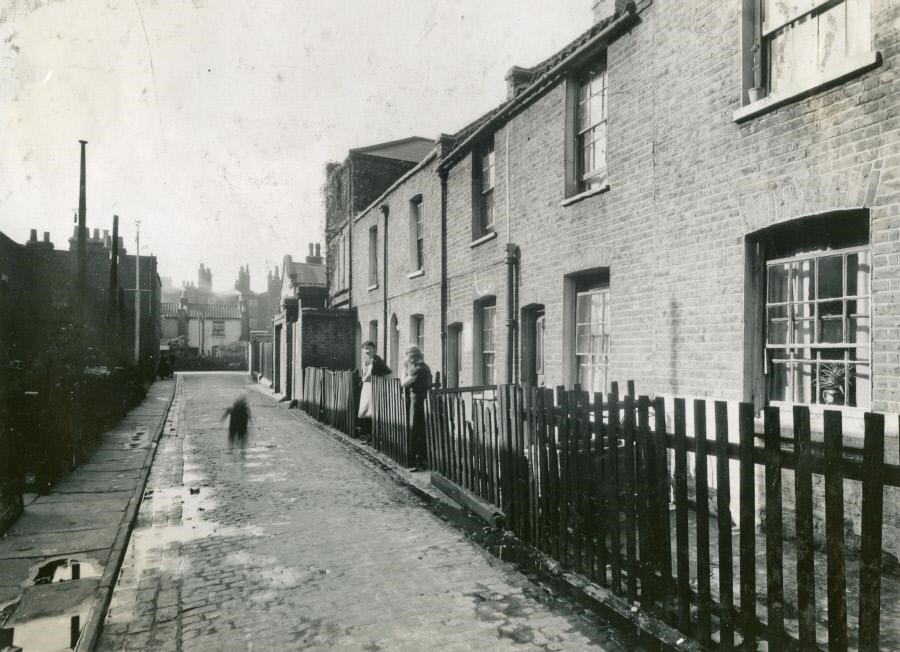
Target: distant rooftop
point(202, 311)
point(413, 149)
point(305, 274)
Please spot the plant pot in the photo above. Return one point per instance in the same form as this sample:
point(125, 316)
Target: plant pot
point(829, 396)
point(756, 93)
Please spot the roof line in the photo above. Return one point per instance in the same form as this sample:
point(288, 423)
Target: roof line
point(538, 84)
point(399, 181)
point(357, 150)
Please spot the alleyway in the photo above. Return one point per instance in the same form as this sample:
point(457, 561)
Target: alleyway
point(301, 544)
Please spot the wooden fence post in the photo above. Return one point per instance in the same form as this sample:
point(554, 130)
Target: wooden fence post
point(806, 584)
point(704, 628)
point(774, 531)
point(870, 547)
point(748, 524)
point(723, 507)
point(834, 533)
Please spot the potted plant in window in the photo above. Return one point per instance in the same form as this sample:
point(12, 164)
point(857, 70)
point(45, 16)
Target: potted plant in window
point(757, 92)
point(831, 381)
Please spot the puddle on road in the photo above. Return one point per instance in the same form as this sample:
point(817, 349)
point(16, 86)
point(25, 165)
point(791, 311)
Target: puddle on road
point(65, 570)
point(53, 607)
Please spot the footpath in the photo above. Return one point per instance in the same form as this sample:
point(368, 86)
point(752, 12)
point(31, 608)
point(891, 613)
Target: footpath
point(59, 561)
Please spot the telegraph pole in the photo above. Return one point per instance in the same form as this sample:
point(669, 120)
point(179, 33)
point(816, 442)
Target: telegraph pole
point(81, 274)
point(137, 295)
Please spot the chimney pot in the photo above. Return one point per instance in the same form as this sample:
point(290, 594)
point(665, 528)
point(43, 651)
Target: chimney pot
point(317, 249)
point(310, 249)
point(96, 234)
point(33, 236)
point(46, 236)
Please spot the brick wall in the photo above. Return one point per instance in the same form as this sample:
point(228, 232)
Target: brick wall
point(326, 339)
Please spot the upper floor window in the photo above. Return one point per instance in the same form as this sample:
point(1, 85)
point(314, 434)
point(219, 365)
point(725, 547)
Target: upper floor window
point(483, 181)
point(806, 39)
point(373, 255)
point(792, 47)
point(590, 119)
point(218, 328)
point(416, 234)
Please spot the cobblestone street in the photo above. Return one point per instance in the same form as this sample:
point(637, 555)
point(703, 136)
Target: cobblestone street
point(298, 543)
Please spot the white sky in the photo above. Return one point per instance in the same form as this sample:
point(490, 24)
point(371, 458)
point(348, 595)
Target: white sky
point(211, 121)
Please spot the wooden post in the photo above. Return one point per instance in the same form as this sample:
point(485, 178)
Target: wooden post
point(748, 524)
point(660, 449)
point(774, 531)
point(682, 545)
point(704, 628)
point(834, 533)
point(806, 577)
point(628, 495)
point(613, 493)
point(870, 547)
point(723, 507)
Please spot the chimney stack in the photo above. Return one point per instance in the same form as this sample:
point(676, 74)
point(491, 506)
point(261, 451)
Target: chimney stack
point(314, 258)
point(517, 80)
point(606, 9)
point(33, 236)
point(47, 237)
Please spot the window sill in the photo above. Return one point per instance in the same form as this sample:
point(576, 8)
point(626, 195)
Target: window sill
point(374, 286)
point(574, 199)
point(851, 67)
point(416, 274)
point(483, 239)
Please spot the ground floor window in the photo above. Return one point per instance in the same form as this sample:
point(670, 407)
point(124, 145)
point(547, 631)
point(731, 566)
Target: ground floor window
point(417, 331)
point(592, 337)
point(807, 311)
point(485, 332)
point(818, 328)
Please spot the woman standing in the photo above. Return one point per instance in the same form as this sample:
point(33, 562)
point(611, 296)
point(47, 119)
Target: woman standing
point(417, 377)
point(373, 365)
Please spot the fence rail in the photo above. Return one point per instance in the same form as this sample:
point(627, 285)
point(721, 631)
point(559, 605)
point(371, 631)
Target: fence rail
point(603, 487)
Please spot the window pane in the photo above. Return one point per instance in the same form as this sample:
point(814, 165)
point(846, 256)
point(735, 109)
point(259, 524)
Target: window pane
point(832, 45)
point(778, 382)
point(583, 309)
point(778, 283)
point(803, 275)
point(803, 331)
point(779, 12)
point(831, 278)
point(777, 332)
point(801, 378)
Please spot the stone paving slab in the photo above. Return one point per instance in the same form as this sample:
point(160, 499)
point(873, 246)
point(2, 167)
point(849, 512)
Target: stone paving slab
point(69, 536)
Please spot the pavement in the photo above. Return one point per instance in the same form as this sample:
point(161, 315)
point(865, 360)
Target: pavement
point(299, 541)
point(60, 558)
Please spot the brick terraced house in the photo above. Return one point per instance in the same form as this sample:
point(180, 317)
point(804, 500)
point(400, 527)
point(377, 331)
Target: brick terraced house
point(702, 197)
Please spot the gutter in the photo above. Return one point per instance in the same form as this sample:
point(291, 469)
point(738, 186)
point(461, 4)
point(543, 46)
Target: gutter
point(607, 33)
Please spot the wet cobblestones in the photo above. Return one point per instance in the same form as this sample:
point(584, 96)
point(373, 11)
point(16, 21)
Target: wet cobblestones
point(297, 543)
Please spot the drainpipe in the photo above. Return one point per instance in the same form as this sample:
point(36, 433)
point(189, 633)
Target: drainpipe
point(512, 262)
point(443, 175)
point(385, 210)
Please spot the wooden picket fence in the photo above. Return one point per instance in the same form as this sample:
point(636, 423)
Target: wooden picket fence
point(331, 397)
point(594, 482)
point(390, 419)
